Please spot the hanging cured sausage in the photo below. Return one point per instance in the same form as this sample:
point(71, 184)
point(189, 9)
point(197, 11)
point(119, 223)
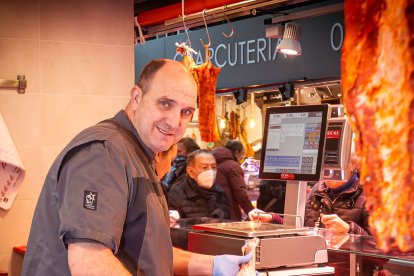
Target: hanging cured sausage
point(378, 83)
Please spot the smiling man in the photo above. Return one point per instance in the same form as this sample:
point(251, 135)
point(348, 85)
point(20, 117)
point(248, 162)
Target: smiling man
point(102, 210)
point(160, 109)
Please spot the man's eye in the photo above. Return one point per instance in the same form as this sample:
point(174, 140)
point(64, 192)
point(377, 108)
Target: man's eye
point(165, 104)
point(186, 112)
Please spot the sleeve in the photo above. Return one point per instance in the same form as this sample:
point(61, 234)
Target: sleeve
point(363, 228)
point(174, 198)
point(311, 215)
point(356, 229)
point(236, 180)
point(365, 220)
point(93, 195)
point(276, 218)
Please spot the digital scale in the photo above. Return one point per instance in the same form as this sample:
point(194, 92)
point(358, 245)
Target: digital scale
point(279, 245)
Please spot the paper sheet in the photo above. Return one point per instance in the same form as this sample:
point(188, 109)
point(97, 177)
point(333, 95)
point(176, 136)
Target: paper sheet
point(12, 170)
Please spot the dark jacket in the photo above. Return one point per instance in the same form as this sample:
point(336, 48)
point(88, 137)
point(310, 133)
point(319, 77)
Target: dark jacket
point(349, 205)
point(272, 195)
point(192, 201)
point(230, 177)
point(177, 172)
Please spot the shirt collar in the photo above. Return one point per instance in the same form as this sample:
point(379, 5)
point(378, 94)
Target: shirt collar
point(123, 120)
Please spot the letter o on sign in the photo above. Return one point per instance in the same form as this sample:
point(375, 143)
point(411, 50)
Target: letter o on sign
point(341, 36)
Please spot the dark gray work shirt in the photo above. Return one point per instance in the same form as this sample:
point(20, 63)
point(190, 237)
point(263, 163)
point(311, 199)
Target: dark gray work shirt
point(102, 188)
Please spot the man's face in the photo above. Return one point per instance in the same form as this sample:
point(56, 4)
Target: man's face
point(164, 111)
point(202, 162)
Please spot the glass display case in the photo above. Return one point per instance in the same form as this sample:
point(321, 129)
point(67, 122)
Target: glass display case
point(358, 255)
point(179, 230)
point(348, 254)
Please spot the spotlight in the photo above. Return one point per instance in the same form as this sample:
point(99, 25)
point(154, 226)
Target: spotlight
point(222, 123)
point(290, 44)
point(252, 123)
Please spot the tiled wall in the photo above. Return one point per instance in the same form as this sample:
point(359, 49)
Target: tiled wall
point(78, 60)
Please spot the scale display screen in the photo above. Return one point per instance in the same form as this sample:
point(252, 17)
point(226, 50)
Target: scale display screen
point(293, 142)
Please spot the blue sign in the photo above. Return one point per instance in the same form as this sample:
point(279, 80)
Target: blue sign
point(249, 58)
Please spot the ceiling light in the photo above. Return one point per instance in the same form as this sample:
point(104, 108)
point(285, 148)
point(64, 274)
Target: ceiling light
point(222, 123)
point(290, 44)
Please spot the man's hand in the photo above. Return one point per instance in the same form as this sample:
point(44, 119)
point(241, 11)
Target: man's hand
point(229, 265)
point(335, 223)
point(254, 214)
point(174, 216)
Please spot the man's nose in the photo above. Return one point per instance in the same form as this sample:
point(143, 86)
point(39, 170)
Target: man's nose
point(173, 119)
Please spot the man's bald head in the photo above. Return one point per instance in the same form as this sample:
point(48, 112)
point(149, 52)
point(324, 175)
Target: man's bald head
point(152, 68)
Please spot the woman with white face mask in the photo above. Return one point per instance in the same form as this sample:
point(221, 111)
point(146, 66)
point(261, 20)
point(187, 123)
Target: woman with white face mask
point(197, 195)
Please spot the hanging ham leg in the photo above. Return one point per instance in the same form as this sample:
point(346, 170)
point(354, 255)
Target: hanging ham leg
point(207, 75)
point(378, 85)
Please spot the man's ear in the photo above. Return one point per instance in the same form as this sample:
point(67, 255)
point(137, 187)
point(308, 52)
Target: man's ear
point(136, 96)
point(190, 172)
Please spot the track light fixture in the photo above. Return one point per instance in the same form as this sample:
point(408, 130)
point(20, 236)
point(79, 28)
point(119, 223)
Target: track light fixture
point(290, 43)
point(240, 96)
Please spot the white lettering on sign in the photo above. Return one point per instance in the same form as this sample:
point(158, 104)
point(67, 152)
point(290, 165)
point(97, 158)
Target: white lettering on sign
point(260, 49)
point(241, 43)
point(240, 53)
point(337, 26)
point(249, 51)
point(217, 51)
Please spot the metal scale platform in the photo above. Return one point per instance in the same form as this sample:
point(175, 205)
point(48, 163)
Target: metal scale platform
point(280, 246)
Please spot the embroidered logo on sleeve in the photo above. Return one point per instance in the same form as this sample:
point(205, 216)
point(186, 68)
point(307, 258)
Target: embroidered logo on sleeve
point(90, 200)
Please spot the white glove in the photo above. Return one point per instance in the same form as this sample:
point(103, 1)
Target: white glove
point(174, 216)
point(335, 223)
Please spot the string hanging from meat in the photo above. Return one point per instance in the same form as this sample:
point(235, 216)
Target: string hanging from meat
point(188, 61)
point(207, 75)
point(378, 86)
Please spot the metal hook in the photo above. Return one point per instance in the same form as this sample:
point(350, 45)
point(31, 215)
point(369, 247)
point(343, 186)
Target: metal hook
point(231, 26)
point(185, 27)
point(208, 35)
point(186, 32)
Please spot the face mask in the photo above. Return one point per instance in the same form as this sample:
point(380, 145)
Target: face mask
point(206, 179)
